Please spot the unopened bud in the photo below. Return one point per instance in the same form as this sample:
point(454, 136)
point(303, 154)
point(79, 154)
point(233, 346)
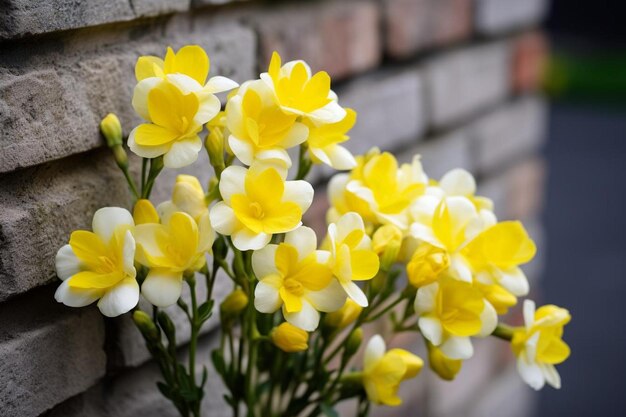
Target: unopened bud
point(386, 242)
point(146, 326)
point(111, 129)
point(345, 316)
point(215, 147)
point(443, 366)
point(426, 264)
point(354, 342)
point(167, 325)
point(234, 303)
point(290, 338)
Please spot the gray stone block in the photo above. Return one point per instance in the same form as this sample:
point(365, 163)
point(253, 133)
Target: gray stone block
point(461, 83)
point(48, 353)
point(443, 153)
point(497, 16)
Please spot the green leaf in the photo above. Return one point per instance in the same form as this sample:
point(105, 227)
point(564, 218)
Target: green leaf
point(218, 362)
point(204, 311)
point(164, 389)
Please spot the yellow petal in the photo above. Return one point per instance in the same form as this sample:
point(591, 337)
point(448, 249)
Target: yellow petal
point(293, 303)
point(153, 135)
point(144, 212)
point(282, 218)
point(413, 362)
point(145, 67)
point(364, 263)
point(93, 280)
point(87, 246)
point(184, 235)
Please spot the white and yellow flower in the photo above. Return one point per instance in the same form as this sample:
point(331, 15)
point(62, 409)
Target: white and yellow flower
point(450, 312)
point(100, 264)
point(295, 276)
point(383, 371)
point(352, 255)
point(539, 345)
point(258, 128)
point(301, 93)
point(170, 250)
point(258, 203)
point(324, 142)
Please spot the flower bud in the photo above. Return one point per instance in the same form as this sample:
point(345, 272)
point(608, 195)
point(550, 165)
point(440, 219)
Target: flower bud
point(354, 342)
point(111, 129)
point(443, 366)
point(146, 326)
point(234, 303)
point(290, 338)
point(167, 325)
point(144, 212)
point(426, 264)
point(386, 242)
point(215, 147)
point(345, 316)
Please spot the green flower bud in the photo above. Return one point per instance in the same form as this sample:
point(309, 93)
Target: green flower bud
point(111, 129)
point(146, 326)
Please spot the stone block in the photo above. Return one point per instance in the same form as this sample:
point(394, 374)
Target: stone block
point(498, 16)
point(442, 153)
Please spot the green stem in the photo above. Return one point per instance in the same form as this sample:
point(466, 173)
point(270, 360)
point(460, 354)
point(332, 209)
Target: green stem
point(386, 309)
point(504, 332)
point(131, 183)
point(304, 164)
point(144, 172)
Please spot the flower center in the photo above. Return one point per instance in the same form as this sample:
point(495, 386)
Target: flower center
point(293, 286)
point(256, 210)
point(107, 265)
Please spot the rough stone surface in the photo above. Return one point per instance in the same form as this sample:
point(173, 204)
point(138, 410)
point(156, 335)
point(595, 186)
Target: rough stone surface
point(530, 55)
point(48, 353)
point(461, 83)
point(497, 137)
point(441, 154)
point(414, 25)
point(21, 18)
point(341, 38)
point(87, 77)
point(498, 16)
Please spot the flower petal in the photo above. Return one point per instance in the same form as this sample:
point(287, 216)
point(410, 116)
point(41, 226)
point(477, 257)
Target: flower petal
point(455, 347)
point(299, 192)
point(220, 84)
point(66, 263)
point(183, 153)
point(355, 293)
point(107, 219)
point(431, 329)
point(307, 318)
point(329, 299)
point(245, 239)
point(223, 219)
point(162, 288)
point(266, 298)
point(75, 297)
point(232, 181)
point(303, 239)
point(263, 261)
point(120, 299)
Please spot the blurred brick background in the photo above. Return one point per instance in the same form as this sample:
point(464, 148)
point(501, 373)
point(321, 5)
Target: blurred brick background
point(453, 80)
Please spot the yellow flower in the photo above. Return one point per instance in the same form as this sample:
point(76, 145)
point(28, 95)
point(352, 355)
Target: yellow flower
point(298, 92)
point(170, 250)
point(235, 302)
point(295, 276)
point(258, 203)
point(443, 366)
point(496, 253)
point(379, 190)
point(258, 128)
point(324, 142)
point(345, 316)
point(450, 311)
point(290, 338)
point(352, 257)
point(188, 197)
point(539, 345)
point(426, 264)
point(111, 130)
point(100, 264)
point(497, 296)
point(384, 371)
point(459, 182)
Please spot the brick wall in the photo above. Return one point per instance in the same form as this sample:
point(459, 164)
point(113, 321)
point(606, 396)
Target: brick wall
point(454, 80)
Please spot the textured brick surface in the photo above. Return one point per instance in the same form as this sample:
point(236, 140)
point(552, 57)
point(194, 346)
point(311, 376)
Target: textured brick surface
point(443, 153)
point(48, 353)
point(530, 54)
point(498, 139)
point(497, 16)
point(413, 25)
point(87, 77)
point(461, 83)
point(338, 37)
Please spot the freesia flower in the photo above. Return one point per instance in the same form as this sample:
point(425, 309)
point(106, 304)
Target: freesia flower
point(259, 129)
point(450, 311)
point(384, 371)
point(426, 265)
point(352, 256)
point(100, 264)
point(325, 138)
point(345, 316)
point(539, 345)
point(290, 338)
point(301, 93)
point(459, 182)
point(443, 366)
point(295, 276)
point(170, 250)
point(257, 203)
point(188, 197)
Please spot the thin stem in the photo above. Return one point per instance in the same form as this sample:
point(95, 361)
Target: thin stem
point(144, 172)
point(131, 183)
point(386, 309)
point(504, 332)
point(304, 164)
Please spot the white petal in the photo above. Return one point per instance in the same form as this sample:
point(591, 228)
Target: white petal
point(320, 154)
point(66, 263)
point(515, 281)
point(425, 234)
point(296, 135)
point(206, 234)
point(303, 239)
point(340, 157)
point(263, 261)
point(266, 298)
point(307, 319)
point(232, 181)
point(529, 313)
point(162, 288)
point(462, 212)
point(288, 67)
point(331, 298)
point(145, 151)
point(455, 347)
point(140, 96)
point(337, 188)
point(426, 298)
point(460, 268)
point(458, 182)
point(355, 293)
point(183, 153)
point(165, 211)
point(220, 84)
point(75, 297)
point(145, 236)
point(531, 374)
point(299, 192)
point(107, 219)
point(431, 329)
point(128, 253)
point(223, 219)
point(488, 319)
point(184, 83)
point(276, 157)
point(209, 107)
point(347, 223)
point(551, 375)
point(374, 351)
point(245, 239)
point(243, 150)
point(120, 299)
point(330, 113)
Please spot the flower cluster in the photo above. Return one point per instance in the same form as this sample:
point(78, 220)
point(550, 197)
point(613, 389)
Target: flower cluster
point(296, 315)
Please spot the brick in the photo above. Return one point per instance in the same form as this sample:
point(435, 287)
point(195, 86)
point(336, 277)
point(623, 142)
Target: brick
point(341, 38)
point(22, 18)
point(48, 353)
point(40, 206)
point(135, 393)
point(54, 93)
point(462, 83)
point(414, 25)
point(530, 55)
point(498, 138)
point(443, 153)
point(498, 16)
